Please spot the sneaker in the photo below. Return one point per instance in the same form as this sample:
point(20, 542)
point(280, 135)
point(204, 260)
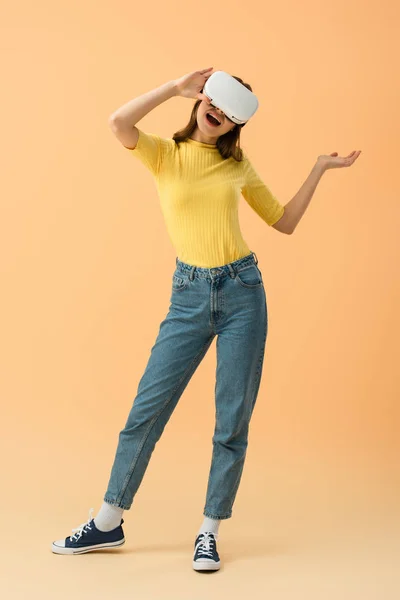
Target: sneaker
point(206, 557)
point(87, 538)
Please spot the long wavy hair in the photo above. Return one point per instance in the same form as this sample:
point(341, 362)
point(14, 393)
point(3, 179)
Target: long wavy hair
point(227, 144)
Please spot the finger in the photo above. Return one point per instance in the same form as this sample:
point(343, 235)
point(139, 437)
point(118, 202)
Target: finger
point(201, 96)
point(205, 70)
point(206, 98)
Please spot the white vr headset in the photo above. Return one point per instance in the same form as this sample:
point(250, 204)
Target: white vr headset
point(232, 97)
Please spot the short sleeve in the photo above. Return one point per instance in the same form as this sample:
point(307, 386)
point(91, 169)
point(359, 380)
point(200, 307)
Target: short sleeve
point(258, 195)
point(150, 150)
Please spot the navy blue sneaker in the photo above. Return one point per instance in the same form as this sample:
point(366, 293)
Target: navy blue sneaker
point(206, 557)
point(87, 538)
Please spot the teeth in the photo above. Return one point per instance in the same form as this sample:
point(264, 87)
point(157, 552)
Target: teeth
point(215, 117)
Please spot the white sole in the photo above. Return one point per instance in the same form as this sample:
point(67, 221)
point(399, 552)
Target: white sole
point(106, 546)
point(205, 566)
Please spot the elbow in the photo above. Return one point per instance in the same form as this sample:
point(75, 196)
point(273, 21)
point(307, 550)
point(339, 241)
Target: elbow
point(283, 226)
point(285, 223)
point(116, 122)
point(112, 121)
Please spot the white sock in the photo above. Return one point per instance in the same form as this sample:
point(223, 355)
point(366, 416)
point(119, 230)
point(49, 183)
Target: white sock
point(209, 525)
point(108, 517)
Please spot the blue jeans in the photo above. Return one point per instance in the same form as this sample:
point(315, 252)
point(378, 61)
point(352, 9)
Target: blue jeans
point(228, 302)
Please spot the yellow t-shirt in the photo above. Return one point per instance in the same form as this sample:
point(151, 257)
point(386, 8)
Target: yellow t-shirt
point(199, 193)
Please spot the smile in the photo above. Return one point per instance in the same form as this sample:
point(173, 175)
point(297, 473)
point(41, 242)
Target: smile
point(213, 120)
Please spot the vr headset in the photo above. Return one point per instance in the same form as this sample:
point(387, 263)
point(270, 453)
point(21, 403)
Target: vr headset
point(232, 97)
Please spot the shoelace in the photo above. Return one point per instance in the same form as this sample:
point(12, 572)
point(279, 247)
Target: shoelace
point(83, 528)
point(205, 543)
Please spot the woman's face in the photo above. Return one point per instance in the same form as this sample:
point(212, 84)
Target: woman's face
point(209, 130)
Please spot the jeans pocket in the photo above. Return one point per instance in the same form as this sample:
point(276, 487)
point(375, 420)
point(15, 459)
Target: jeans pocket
point(179, 281)
point(249, 277)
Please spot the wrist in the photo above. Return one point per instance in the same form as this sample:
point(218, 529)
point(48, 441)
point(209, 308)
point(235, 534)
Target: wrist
point(174, 87)
point(320, 166)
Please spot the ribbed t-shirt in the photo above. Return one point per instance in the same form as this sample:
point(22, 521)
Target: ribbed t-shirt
point(199, 193)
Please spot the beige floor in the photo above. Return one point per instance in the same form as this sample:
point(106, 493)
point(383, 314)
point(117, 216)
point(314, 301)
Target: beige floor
point(275, 548)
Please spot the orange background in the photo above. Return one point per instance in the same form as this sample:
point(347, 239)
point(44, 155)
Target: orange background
point(86, 268)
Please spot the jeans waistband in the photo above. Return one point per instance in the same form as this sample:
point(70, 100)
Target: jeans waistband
point(229, 268)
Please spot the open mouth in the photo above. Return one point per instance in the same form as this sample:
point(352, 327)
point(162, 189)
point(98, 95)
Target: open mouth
point(212, 120)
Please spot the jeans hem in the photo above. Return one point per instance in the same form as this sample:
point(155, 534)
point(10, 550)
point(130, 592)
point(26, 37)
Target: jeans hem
point(219, 517)
point(115, 503)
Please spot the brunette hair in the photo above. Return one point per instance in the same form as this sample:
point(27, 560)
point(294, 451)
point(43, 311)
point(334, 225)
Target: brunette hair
point(227, 144)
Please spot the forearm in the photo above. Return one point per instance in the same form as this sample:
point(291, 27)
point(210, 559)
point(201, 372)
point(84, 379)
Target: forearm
point(296, 207)
point(134, 110)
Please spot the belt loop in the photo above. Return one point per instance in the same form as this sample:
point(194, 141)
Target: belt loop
point(255, 257)
point(232, 272)
point(191, 274)
point(176, 260)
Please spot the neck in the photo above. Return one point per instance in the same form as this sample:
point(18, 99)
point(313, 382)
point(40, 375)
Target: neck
point(198, 136)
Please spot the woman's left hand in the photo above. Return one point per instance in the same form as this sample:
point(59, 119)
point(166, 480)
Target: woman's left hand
point(333, 161)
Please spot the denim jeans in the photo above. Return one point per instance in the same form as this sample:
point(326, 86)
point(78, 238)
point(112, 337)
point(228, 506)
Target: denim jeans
point(228, 302)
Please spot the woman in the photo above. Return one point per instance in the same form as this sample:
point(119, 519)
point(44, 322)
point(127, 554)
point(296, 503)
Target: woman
point(217, 289)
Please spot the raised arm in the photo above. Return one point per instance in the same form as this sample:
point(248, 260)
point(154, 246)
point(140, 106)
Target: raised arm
point(123, 120)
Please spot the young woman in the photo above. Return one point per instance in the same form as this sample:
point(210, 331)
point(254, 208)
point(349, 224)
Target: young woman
point(217, 290)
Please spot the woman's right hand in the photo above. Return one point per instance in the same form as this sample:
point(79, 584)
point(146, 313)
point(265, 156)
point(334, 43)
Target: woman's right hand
point(190, 85)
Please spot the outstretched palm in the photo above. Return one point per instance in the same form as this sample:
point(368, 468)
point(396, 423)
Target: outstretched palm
point(333, 161)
